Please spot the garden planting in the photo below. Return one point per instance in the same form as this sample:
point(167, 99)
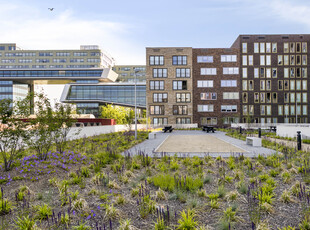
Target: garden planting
point(91, 185)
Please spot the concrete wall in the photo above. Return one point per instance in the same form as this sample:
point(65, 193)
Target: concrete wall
point(290, 130)
point(76, 132)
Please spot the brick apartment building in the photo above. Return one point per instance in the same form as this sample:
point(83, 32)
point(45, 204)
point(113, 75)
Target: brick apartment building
point(260, 79)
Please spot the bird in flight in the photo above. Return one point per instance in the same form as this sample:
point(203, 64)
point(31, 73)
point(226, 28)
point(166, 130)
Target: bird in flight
point(51, 9)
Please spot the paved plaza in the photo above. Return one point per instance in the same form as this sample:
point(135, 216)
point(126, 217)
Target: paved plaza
point(196, 143)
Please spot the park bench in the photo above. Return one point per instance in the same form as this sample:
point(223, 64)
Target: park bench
point(254, 141)
point(168, 128)
point(273, 129)
point(208, 128)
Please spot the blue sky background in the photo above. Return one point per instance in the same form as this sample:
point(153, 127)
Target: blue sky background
point(125, 28)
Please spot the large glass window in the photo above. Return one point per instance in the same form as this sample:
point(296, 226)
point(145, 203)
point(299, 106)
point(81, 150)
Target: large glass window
point(228, 83)
point(205, 108)
point(179, 60)
point(157, 110)
point(183, 97)
point(208, 71)
point(228, 58)
point(183, 72)
point(230, 70)
point(208, 96)
point(205, 59)
point(179, 85)
point(160, 73)
point(157, 85)
point(230, 95)
point(229, 108)
point(180, 110)
point(160, 97)
point(205, 84)
point(156, 60)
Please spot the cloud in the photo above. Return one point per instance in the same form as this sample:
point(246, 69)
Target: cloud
point(291, 11)
point(31, 28)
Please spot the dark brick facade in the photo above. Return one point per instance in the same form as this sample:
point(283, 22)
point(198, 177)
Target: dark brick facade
point(198, 117)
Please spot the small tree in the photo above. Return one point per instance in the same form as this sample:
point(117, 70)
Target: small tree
point(12, 130)
point(42, 126)
point(63, 122)
point(115, 112)
point(129, 118)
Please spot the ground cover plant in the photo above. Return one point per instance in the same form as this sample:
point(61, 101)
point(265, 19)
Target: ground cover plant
point(91, 185)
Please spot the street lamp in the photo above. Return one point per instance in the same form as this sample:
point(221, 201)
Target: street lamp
point(135, 72)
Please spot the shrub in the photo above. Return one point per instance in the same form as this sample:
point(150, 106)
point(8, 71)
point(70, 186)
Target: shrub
point(43, 211)
point(187, 220)
point(221, 191)
point(25, 223)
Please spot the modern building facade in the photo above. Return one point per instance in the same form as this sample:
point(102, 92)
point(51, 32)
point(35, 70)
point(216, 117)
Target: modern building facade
point(259, 79)
point(85, 71)
point(126, 73)
point(169, 85)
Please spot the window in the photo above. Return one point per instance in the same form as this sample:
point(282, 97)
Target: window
point(280, 110)
point(298, 85)
point(160, 97)
point(179, 60)
point(268, 47)
point(205, 59)
point(251, 85)
point(262, 110)
point(304, 59)
point(75, 59)
point(183, 97)
point(256, 73)
point(59, 60)
point(157, 85)
point(205, 108)
point(205, 84)
point(268, 73)
point(244, 47)
point(285, 47)
point(245, 85)
point(262, 47)
point(292, 85)
point(304, 85)
point(304, 110)
point(304, 72)
point(274, 98)
point(160, 121)
point(183, 120)
point(228, 108)
point(292, 60)
point(183, 72)
point(250, 59)
point(286, 97)
point(245, 110)
point(156, 60)
point(262, 98)
point(228, 58)
point(268, 59)
point(160, 73)
point(228, 83)
point(208, 71)
point(286, 85)
point(230, 70)
point(292, 109)
point(256, 47)
point(298, 97)
point(304, 97)
point(262, 59)
point(208, 120)
point(80, 54)
point(179, 85)
point(268, 110)
point(244, 72)
point(286, 72)
point(244, 60)
point(298, 47)
point(304, 47)
point(157, 110)
point(262, 72)
point(208, 96)
point(268, 85)
point(280, 59)
point(180, 110)
point(274, 47)
point(256, 97)
point(244, 97)
point(298, 60)
point(286, 59)
point(262, 85)
point(230, 95)
point(62, 54)
point(274, 72)
point(292, 47)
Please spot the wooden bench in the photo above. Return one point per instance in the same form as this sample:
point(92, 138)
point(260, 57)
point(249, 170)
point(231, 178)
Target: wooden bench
point(208, 128)
point(168, 128)
point(254, 141)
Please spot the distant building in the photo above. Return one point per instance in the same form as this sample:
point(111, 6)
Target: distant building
point(126, 73)
point(85, 71)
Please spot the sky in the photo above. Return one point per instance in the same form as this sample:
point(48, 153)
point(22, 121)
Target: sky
point(124, 28)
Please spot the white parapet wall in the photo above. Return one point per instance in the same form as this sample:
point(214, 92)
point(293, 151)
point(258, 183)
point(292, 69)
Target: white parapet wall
point(290, 130)
point(77, 132)
point(80, 132)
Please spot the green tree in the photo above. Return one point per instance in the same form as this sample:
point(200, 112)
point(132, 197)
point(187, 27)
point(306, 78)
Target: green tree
point(12, 130)
point(120, 114)
point(63, 122)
